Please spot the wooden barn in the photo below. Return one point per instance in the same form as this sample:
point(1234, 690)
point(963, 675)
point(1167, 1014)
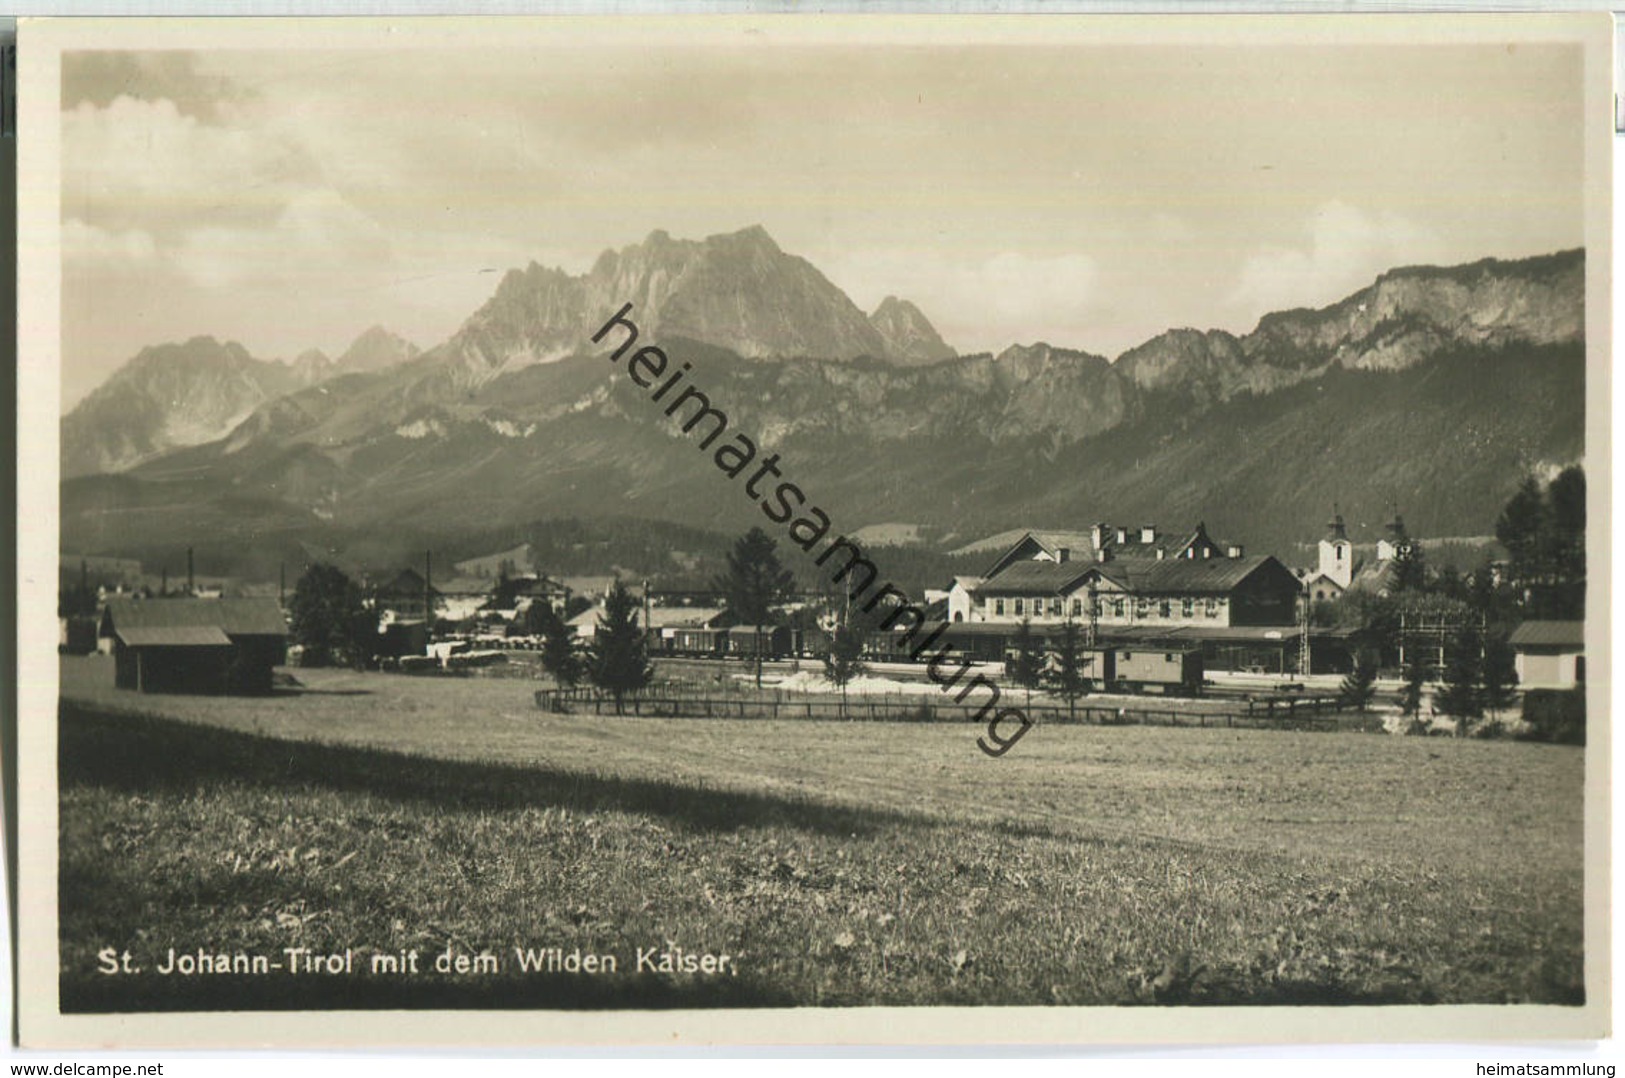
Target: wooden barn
point(195, 645)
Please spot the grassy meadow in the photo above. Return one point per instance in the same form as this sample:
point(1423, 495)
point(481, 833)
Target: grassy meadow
point(835, 863)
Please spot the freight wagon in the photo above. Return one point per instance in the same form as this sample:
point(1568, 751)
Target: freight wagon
point(1135, 669)
point(1139, 669)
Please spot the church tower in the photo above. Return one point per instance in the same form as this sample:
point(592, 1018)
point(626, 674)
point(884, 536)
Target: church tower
point(1388, 546)
point(1336, 552)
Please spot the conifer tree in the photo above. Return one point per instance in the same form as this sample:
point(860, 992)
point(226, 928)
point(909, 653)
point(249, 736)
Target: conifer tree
point(1410, 567)
point(1416, 673)
point(618, 660)
point(755, 584)
point(1499, 678)
point(1360, 683)
point(1462, 694)
point(1071, 679)
point(1028, 665)
point(844, 659)
point(561, 650)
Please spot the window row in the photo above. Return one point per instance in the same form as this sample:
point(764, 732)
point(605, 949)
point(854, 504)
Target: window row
point(1117, 608)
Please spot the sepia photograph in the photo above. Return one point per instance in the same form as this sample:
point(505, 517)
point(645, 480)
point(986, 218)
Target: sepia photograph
point(812, 528)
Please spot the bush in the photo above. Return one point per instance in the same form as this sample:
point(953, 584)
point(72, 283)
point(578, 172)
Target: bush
point(1555, 715)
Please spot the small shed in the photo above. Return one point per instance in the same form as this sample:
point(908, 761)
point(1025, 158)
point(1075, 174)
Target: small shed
point(1550, 654)
point(195, 645)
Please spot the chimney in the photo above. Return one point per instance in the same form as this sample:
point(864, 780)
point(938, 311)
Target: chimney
point(1122, 535)
point(1064, 554)
point(1148, 533)
point(1161, 553)
point(1234, 550)
point(1099, 535)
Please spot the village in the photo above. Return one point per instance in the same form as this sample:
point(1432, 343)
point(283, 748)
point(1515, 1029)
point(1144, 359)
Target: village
point(1145, 620)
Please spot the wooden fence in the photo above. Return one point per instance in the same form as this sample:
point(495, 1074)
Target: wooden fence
point(1311, 713)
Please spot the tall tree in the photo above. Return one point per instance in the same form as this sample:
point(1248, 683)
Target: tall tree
point(618, 660)
point(1566, 543)
point(1410, 566)
point(1071, 677)
point(844, 659)
point(330, 619)
point(503, 595)
point(1027, 667)
point(1462, 695)
point(1416, 674)
point(1544, 534)
point(1499, 677)
point(755, 584)
point(1519, 529)
point(561, 649)
point(1360, 683)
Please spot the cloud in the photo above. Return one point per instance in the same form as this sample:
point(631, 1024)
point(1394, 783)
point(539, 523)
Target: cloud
point(1347, 248)
point(146, 161)
point(102, 248)
point(318, 233)
point(98, 76)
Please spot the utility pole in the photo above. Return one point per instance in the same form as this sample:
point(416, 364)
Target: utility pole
point(1303, 644)
point(282, 584)
point(428, 594)
point(1094, 614)
point(190, 590)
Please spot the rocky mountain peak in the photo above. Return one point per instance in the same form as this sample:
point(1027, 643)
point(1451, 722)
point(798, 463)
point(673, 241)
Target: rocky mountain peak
point(375, 349)
point(312, 366)
point(910, 337)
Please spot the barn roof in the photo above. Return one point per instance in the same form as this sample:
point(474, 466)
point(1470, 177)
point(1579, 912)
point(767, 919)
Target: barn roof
point(170, 636)
point(1570, 634)
point(191, 622)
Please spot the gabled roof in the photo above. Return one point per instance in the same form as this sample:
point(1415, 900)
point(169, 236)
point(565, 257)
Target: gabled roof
point(598, 585)
point(537, 586)
point(1562, 634)
point(1189, 576)
point(191, 622)
point(684, 617)
point(1047, 542)
point(1374, 575)
point(1035, 578)
point(406, 582)
point(174, 636)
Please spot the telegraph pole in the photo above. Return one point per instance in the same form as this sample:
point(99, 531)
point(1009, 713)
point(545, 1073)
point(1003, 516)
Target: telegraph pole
point(1303, 639)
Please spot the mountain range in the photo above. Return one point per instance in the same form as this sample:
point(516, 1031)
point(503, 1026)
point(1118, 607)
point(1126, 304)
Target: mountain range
point(1437, 388)
point(174, 395)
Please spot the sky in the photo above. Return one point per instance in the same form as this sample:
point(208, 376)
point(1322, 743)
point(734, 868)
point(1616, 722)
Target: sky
point(1087, 196)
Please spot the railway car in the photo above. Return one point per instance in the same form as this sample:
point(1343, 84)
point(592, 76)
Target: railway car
point(694, 642)
point(1147, 669)
point(777, 641)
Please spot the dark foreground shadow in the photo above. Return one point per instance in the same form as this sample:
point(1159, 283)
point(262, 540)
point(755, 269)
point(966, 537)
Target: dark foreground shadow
point(563, 992)
point(143, 753)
